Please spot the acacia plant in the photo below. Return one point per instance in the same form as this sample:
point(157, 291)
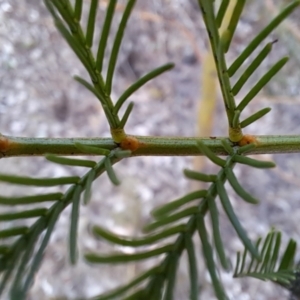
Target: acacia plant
point(175, 222)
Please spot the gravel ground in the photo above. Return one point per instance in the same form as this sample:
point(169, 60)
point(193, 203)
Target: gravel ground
point(39, 98)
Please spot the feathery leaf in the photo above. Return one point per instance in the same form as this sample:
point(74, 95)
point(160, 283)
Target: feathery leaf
point(270, 267)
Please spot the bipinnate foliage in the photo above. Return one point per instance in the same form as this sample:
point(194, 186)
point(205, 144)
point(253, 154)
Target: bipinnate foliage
point(174, 224)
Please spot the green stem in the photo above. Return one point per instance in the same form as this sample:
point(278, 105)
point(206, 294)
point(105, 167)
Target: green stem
point(154, 146)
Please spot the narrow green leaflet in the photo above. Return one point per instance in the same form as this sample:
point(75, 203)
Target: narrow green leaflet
point(73, 43)
point(227, 146)
point(266, 254)
point(30, 199)
point(122, 153)
point(173, 260)
point(78, 10)
point(27, 214)
point(238, 188)
point(74, 225)
point(289, 255)
point(171, 218)
point(261, 83)
point(110, 172)
point(255, 117)
point(121, 290)
point(236, 119)
point(7, 233)
point(275, 255)
point(105, 32)
point(53, 216)
point(11, 264)
point(199, 176)
point(67, 13)
point(209, 260)
point(155, 288)
point(214, 215)
point(213, 157)
point(100, 96)
point(139, 83)
point(193, 272)
point(91, 23)
point(100, 232)
point(70, 161)
point(246, 148)
point(221, 12)
point(39, 181)
point(88, 186)
point(92, 149)
point(125, 258)
point(126, 115)
point(160, 212)
point(31, 242)
point(117, 44)
point(234, 220)
point(253, 162)
point(239, 6)
point(251, 68)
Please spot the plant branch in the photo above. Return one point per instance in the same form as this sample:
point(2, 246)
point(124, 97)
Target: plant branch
point(148, 145)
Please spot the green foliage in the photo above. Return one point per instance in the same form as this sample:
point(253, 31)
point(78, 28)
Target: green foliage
point(175, 223)
point(270, 267)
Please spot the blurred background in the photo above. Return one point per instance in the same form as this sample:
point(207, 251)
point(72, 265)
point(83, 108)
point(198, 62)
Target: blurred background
point(39, 98)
